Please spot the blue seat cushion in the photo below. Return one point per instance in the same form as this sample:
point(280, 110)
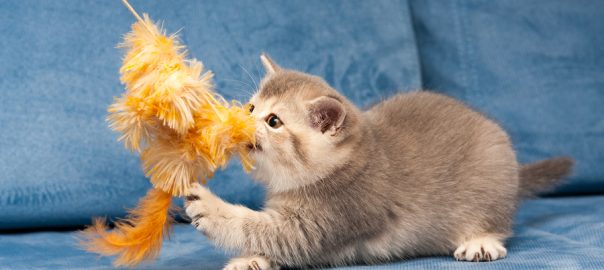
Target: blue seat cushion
point(552, 233)
point(59, 162)
point(534, 66)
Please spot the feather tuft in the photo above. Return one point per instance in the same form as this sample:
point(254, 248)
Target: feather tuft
point(136, 238)
point(183, 130)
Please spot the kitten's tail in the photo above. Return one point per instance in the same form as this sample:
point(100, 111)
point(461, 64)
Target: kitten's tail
point(543, 175)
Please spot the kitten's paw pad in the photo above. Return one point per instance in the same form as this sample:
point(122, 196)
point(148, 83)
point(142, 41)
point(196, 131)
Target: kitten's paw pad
point(251, 263)
point(486, 248)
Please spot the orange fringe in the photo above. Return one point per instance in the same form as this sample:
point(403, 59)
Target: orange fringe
point(183, 130)
point(138, 237)
point(171, 115)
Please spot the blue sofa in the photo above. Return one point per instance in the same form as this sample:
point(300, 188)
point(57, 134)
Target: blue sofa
point(537, 67)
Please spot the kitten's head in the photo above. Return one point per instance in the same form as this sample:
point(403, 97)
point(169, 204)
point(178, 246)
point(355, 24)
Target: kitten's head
point(304, 128)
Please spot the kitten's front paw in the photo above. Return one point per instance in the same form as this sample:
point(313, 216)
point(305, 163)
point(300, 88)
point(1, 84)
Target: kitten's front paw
point(203, 208)
point(219, 221)
point(249, 263)
point(487, 248)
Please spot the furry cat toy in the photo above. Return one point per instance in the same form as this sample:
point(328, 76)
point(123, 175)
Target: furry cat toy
point(183, 130)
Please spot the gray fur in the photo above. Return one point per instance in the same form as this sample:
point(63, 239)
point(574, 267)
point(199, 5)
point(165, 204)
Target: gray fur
point(543, 175)
point(417, 174)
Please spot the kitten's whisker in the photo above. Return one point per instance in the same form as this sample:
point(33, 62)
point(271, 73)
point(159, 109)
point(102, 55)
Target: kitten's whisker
point(242, 93)
point(258, 70)
point(241, 82)
point(250, 75)
point(247, 93)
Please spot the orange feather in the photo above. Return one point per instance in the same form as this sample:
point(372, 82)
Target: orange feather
point(183, 130)
point(136, 238)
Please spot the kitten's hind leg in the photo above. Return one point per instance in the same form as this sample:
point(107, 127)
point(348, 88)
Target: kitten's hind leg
point(250, 263)
point(487, 247)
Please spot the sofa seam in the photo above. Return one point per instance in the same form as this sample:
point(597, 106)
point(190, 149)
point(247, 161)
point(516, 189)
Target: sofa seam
point(416, 50)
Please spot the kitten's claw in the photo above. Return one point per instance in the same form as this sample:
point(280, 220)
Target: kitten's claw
point(487, 248)
point(487, 256)
point(249, 263)
point(192, 198)
point(197, 192)
point(202, 206)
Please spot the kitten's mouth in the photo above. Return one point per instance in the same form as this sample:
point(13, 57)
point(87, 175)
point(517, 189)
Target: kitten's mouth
point(254, 147)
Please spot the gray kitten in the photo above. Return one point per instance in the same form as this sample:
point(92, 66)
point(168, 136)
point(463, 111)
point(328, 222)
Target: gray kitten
point(418, 174)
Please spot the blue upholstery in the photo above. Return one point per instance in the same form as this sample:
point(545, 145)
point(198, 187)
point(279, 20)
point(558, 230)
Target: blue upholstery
point(537, 67)
point(554, 233)
point(60, 164)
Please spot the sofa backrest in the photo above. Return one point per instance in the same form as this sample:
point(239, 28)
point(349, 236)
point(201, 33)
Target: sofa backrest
point(537, 67)
point(59, 162)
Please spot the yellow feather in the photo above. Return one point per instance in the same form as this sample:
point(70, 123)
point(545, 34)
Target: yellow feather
point(183, 130)
point(169, 112)
point(136, 238)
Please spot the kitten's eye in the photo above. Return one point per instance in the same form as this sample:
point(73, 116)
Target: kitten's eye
point(273, 121)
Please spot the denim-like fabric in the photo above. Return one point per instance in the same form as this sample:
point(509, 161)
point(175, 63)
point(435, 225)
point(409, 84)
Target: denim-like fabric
point(553, 233)
point(59, 162)
point(537, 67)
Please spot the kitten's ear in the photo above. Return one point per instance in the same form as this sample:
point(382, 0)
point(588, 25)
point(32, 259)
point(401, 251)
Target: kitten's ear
point(326, 114)
point(269, 65)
